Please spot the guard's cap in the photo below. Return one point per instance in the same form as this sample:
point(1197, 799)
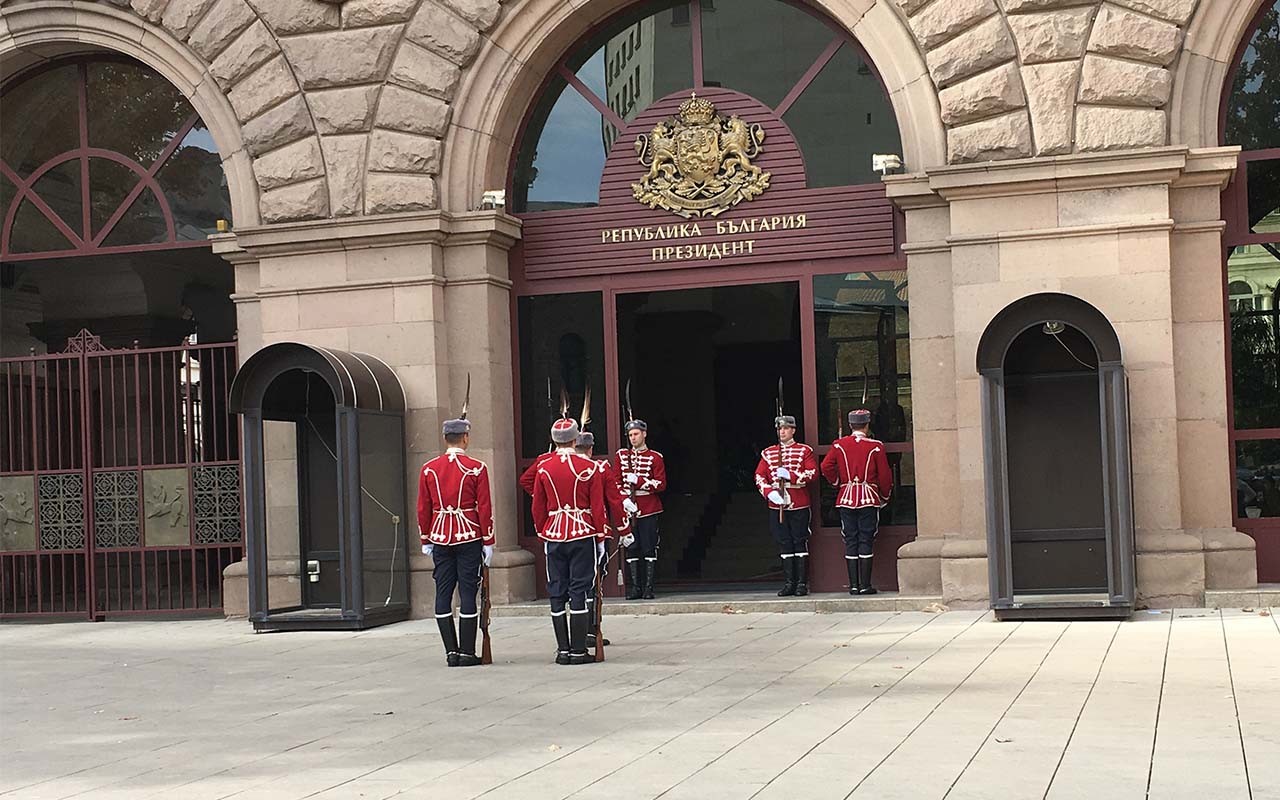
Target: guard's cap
point(585, 439)
point(454, 427)
point(859, 417)
point(784, 420)
point(564, 431)
point(636, 425)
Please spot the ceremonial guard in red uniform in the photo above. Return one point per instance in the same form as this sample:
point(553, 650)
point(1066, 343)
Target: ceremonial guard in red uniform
point(859, 469)
point(455, 524)
point(643, 476)
point(570, 517)
point(783, 476)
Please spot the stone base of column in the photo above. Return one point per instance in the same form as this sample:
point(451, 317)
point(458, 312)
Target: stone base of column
point(283, 586)
point(1170, 569)
point(965, 581)
point(920, 568)
point(1230, 559)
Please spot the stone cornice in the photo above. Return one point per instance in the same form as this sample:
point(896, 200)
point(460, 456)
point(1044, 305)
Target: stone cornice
point(493, 228)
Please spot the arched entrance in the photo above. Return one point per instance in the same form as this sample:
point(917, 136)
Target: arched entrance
point(703, 289)
point(119, 475)
point(1059, 494)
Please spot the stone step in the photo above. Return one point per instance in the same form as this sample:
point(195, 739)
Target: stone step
point(743, 603)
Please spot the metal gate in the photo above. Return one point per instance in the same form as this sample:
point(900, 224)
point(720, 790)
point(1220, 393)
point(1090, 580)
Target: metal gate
point(119, 480)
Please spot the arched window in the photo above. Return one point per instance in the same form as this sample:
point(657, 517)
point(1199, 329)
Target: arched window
point(102, 155)
point(811, 73)
point(1252, 209)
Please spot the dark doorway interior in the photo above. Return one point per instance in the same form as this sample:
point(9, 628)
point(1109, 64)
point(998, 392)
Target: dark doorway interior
point(704, 365)
point(1057, 501)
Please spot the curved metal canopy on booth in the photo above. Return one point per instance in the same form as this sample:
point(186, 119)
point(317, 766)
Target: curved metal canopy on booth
point(357, 380)
point(1034, 310)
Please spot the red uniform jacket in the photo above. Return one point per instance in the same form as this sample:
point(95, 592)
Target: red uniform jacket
point(530, 475)
point(613, 496)
point(568, 499)
point(647, 464)
point(858, 467)
point(453, 500)
point(799, 461)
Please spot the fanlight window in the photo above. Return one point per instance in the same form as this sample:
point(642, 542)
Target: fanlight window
point(808, 70)
point(104, 155)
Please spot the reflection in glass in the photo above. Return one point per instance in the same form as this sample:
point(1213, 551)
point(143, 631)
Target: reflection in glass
point(382, 499)
point(1258, 479)
point(1254, 293)
point(33, 232)
point(109, 183)
point(60, 189)
point(563, 154)
point(863, 351)
point(40, 119)
point(761, 47)
point(1255, 95)
point(840, 120)
point(1264, 197)
point(143, 223)
point(132, 110)
point(195, 186)
point(561, 346)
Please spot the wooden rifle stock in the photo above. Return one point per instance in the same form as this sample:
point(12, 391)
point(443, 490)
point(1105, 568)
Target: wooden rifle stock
point(486, 651)
point(599, 615)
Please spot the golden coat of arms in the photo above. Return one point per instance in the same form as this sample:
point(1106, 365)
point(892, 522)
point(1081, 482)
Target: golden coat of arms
point(699, 162)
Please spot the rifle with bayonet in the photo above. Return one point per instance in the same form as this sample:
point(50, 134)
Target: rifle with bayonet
point(780, 485)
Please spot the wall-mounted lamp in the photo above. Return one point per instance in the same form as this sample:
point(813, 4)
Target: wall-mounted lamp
point(884, 163)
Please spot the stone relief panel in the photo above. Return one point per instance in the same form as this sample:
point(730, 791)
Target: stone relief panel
point(17, 513)
point(167, 507)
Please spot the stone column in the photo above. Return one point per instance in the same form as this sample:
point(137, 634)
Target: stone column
point(477, 303)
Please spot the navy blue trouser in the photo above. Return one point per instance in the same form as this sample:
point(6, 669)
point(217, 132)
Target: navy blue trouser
point(791, 532)
point(457, 565)
point(859, 526)
point(645, 546)
point(571, 574)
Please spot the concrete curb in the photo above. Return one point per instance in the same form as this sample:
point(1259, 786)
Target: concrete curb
point(738, 605)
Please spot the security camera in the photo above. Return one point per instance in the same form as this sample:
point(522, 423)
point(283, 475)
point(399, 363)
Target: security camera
point(884, 163)
point(494, 198)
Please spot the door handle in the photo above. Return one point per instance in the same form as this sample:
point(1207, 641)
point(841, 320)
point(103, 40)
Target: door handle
point(313, 571)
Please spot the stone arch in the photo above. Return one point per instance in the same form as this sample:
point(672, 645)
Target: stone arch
point(1213, 39)
point(524, 47)
point(43, 30)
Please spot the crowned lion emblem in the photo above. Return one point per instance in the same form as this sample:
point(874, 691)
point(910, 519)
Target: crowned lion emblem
point(699, 162)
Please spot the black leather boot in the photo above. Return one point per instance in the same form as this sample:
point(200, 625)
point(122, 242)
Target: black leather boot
point(650, 572)
point(578, 625)
point(450, 638)
point(802, 575)
point(633, 579)
point(864, 576)
point(788, 577)
point(855, 583)
point(591, 629)
point(561, 625)
point(467, 627)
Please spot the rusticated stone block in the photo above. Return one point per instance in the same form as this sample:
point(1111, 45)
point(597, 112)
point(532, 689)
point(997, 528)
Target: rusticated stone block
point(180, 16)
point(1013, 6)
point(341, 59)
point(984, 95)
point(287, 122)
point(391, 151)
point(293, 163)
point(1007, 136)
point(224, 22)
point(480, 13)
point(1118, 32)
point(1176, 11)
point(403, 110)
point(249, 51)
point(1109, 81)
point(300, 201)
point(910, 7)
point(150, 10)
point(263, 88)
point(942, 21)
point(387, 193)
point(344, 159)
point(1053, 35)
point(343, 110)
point(359, 13)
point(287, 17)
point(445, 33)
point(978, 48)
point(1101, 128)
point(420, 69)
point(1051, 99)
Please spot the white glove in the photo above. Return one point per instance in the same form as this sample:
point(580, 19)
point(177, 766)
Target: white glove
point(488, 554)
point(776, 498)
point(628, 540)
point(599, 550)
point(782, 474)
point(629, 506)
point(426, 549)
point(632, 479)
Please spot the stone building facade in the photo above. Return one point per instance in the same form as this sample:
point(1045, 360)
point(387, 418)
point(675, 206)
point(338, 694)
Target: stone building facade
point(1048, 146)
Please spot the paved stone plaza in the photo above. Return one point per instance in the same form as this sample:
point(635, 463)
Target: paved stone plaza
point(779, 705)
